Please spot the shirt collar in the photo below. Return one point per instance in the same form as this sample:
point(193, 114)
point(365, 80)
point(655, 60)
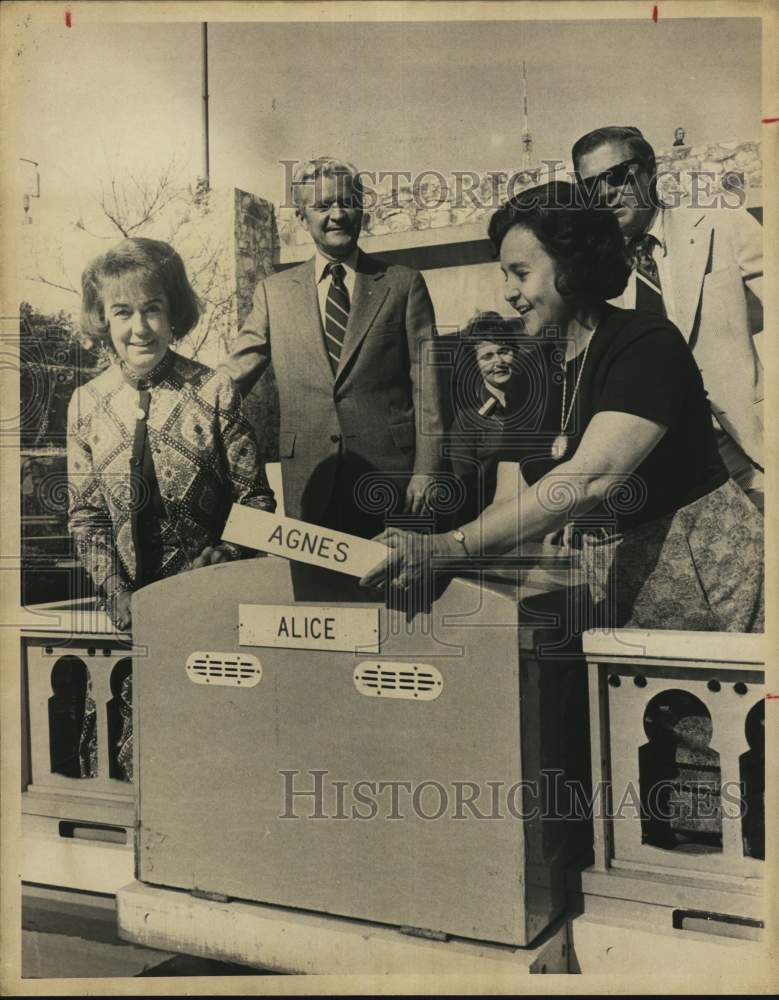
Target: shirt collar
point(321, 263)
point(657, 230)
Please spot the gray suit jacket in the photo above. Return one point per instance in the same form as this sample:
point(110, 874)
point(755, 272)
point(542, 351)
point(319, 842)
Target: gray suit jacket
point(385, 402)
point(714, 256)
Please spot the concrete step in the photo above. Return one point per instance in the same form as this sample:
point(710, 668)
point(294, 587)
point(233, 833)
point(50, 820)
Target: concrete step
point(69, 934)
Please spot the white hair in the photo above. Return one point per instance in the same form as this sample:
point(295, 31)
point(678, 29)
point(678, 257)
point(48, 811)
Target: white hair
point(310, 171)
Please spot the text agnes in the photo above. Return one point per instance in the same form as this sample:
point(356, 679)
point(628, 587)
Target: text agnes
point(311, 542)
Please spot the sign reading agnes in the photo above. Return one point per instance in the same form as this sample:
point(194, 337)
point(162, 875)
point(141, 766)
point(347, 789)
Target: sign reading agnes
point(308, 543)
point(312, 542)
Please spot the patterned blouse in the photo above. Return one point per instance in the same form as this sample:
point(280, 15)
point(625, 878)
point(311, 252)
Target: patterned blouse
point(203, 456)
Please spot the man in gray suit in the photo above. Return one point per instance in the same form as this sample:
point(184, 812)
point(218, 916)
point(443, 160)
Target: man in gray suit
point(361, 410)
point(699, 267)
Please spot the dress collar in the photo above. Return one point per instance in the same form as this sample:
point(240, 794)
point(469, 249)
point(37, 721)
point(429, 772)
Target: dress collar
point(492, 399)
point(499, 394)
point(151, 378)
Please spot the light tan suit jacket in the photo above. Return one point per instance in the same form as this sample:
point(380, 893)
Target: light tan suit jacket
point(713, 257)
point(384, 405)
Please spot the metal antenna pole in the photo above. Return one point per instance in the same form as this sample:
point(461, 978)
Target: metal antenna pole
point(527, 139)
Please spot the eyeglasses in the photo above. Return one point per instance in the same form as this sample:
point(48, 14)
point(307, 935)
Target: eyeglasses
point(615, 176)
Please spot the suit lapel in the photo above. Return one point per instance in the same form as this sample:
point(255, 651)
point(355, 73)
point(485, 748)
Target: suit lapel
point(688, 238)
point(305, 318)
point(370, 290)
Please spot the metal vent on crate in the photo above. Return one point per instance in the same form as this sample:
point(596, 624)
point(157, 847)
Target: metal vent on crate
point(398, 680)
point(224, 669)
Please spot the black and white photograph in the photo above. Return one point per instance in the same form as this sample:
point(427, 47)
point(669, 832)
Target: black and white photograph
point(388, 519)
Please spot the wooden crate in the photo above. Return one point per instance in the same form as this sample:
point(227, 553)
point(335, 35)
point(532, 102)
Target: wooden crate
point(211, 759)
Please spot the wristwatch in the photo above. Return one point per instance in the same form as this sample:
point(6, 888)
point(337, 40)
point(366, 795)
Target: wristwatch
point(458, 536)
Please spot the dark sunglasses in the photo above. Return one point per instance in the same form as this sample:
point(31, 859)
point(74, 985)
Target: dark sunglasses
point(615, 176)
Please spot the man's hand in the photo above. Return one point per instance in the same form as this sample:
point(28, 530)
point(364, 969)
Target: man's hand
point(212, 554)
point(418, 493)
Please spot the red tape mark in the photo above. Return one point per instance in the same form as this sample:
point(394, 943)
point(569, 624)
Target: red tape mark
point(68, 19)
point(769, 121)
point(770, 697)
point(654, 13)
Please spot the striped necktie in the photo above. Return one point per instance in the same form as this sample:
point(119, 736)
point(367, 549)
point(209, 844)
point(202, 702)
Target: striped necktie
point(649, 292)
point(336, 314)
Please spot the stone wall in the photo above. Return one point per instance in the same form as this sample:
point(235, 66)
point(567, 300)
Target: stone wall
point(433, 205)
point(730, 164)
point(229, 241)
point(256, 241)
point(256, 246)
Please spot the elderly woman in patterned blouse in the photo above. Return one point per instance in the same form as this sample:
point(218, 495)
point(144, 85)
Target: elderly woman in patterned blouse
point(158, 446)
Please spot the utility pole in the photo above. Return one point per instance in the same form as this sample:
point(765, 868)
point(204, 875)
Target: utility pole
point(205, 180)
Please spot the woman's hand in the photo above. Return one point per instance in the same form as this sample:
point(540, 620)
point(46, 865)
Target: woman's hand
point(212, 554)
point(407, 567)
point(560, 540)
point(119, 610)
point(405, 562)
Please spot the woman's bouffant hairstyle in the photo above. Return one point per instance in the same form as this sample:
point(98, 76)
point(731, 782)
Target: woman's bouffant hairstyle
point(489, 328)
point(585, 243)
point(151, 259)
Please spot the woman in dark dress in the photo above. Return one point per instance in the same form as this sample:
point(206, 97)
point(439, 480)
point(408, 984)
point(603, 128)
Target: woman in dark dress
point(492, 400)
point(627, 457)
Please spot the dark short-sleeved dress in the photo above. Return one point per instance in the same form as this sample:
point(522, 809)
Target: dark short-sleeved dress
point(480, 438)
point(485, 429)
point(677, 544)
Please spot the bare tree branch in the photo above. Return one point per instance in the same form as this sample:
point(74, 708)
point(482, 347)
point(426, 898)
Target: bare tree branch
point(136, 204)
point(79, 224)
point(53, 284)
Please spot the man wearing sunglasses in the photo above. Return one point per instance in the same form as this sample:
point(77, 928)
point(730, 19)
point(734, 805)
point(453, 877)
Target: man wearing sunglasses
point(700, 267)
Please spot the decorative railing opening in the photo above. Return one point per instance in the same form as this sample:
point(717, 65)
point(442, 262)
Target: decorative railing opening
point(752, 771)
point(71, 723)
point(119, 721)
point(679, 775)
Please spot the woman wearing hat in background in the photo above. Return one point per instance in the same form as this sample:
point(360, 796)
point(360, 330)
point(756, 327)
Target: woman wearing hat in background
point(628, 456)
